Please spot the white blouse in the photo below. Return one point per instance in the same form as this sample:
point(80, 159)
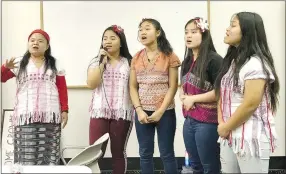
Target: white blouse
point(111, 99)
point(262, 120)
point(37, 97)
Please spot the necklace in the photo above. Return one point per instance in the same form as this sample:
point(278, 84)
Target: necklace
point(146, 69)
point(152, 61)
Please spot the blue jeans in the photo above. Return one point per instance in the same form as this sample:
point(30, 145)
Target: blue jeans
point(166, 129)
point(201, 144)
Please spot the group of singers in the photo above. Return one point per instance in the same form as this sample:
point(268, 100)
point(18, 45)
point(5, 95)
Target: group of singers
point(228, 103)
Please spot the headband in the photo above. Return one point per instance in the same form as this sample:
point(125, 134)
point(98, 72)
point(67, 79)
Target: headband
point(42, 32)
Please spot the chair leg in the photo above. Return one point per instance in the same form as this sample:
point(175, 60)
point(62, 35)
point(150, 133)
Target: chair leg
point(63, 160)
point(66, 148)
point(62, 156)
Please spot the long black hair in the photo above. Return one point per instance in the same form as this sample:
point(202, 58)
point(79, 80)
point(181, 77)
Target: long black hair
point(124, 51)
point(162, 41)
point(253, 42)
point(50, 62)
point(202, 60)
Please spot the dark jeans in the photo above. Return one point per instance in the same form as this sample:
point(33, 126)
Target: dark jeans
point(166, 129)
point(201, 144)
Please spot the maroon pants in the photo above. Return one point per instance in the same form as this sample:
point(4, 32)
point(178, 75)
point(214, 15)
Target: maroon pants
point(119, 131)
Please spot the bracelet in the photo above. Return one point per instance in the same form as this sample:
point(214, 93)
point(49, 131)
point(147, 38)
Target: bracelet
point(137, 107)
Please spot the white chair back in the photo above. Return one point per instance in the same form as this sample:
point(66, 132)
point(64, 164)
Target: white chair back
point(90, 155)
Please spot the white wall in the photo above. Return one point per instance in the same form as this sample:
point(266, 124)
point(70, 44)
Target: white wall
point(1, 64)
point(273, 15)
point(20, 18)
point(83, 30)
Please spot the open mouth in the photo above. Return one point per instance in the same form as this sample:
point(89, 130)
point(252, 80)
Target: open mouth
point(143, 38)
point(189, 41)
point(35, 47)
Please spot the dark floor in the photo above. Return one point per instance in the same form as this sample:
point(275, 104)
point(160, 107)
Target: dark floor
point(277, 165)
point(161, 172)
